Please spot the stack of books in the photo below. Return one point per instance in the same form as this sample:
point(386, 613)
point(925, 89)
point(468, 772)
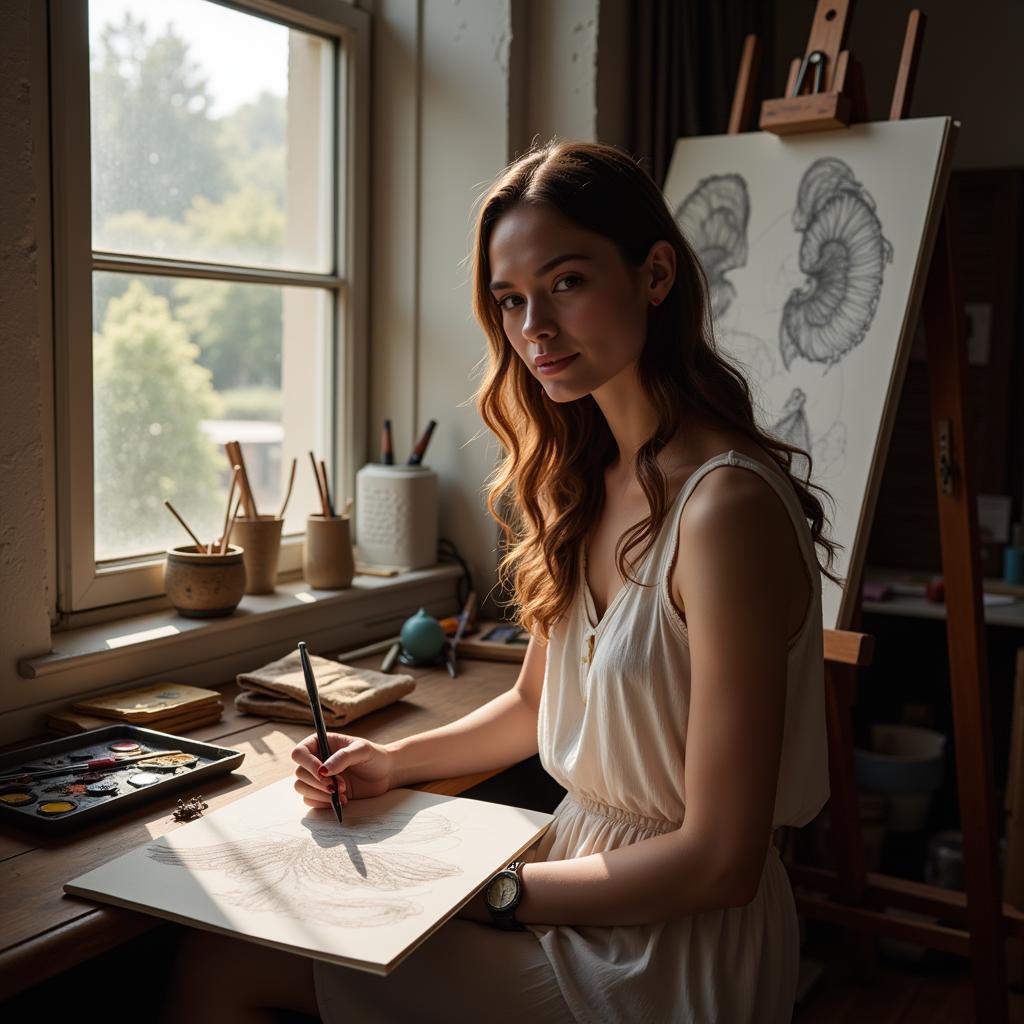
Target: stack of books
point(166, 707)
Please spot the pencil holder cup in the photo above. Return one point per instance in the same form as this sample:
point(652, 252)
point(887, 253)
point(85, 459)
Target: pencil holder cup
point(260, 541)
point(202, 586)
point(327, 562)
point(397, 515)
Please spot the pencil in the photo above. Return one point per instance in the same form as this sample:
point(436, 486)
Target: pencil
point(318, 720)
point(387, 451)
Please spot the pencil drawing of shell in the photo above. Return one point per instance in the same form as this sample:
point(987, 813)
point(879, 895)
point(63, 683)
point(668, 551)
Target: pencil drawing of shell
point(843, 254)
point(713, 218)
point(791, 425)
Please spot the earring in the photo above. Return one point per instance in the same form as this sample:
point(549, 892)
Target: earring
point(655, 301)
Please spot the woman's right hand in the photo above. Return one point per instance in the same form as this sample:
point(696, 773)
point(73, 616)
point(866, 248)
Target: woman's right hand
point(358, 767)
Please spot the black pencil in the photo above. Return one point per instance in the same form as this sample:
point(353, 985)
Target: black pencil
point(318, 720)
point(387, 450)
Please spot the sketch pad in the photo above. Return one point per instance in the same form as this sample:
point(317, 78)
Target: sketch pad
point(363, 894)
point(816, 249)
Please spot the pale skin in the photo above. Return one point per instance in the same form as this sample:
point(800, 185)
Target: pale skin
point(738, 573)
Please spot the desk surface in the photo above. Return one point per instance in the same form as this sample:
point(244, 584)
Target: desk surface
point(43, 931)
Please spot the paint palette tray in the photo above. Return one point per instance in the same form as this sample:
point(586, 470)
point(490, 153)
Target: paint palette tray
point(64, 801)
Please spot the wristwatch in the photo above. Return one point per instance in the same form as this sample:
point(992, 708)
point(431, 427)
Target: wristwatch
point(502, 896)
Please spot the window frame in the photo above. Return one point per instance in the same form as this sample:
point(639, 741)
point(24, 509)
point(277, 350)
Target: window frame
point(82, 585)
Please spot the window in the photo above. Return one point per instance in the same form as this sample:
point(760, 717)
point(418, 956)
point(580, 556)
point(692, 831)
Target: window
point(209, 270)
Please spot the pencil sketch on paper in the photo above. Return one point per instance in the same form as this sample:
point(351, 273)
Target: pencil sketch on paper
point(713, 219)
point(843, 254)
point(351, 877)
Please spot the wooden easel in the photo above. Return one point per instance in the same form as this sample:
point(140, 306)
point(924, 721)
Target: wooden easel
point(826, 90)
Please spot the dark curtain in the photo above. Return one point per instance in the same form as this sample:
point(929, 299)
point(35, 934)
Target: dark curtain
point(685, 59)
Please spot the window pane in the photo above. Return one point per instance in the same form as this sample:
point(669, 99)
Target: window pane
point(211, 135)
point(179, 367)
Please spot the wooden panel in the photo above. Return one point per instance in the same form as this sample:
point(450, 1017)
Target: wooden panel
point(880, 891)
point(845, 647)
point(968, 669)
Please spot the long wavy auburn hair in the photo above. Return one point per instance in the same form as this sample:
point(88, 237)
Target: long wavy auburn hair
point(548, 489)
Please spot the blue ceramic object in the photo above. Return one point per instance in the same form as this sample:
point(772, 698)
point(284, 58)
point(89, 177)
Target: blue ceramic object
point(422, 636)
point(1013, 565)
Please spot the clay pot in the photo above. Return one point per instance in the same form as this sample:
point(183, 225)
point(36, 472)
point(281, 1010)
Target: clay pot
point(202, 586)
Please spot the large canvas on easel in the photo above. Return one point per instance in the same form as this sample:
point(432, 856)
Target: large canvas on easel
point(816, 249)
point(364, 893)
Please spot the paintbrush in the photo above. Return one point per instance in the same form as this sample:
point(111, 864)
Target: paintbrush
point(288, 493)
point(324, 509)
point(327, 489)
point(231, 525)
point(227, 511)
point(200, 547)
point(96, 764)
point(234, 450)
point(468, 611)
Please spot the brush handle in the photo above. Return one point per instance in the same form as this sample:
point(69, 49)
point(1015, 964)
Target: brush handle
point(84, 766)
point(234, 450)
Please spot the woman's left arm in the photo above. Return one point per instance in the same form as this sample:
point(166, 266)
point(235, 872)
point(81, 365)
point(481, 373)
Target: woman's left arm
point(741, 575)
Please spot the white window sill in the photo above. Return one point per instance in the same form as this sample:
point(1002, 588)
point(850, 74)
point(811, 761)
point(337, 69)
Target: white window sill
point(162, 645)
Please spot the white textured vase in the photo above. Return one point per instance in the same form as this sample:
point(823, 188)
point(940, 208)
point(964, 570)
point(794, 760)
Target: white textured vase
point(396, 515)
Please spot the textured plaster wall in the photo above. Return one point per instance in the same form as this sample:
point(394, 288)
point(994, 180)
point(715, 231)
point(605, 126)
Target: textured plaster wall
point(24, 622)
point(562, 70)
point(459, 89)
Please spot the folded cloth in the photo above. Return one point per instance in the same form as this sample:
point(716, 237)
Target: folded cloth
point(278, 690)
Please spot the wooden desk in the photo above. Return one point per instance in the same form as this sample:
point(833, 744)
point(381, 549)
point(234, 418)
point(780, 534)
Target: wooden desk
point(43, 931)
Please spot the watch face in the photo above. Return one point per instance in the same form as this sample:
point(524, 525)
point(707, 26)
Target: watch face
point(502, 891)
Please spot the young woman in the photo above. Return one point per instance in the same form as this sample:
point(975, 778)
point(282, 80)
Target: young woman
point(662, 555)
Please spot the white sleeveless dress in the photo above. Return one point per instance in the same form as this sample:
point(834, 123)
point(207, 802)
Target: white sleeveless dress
point(612, 731)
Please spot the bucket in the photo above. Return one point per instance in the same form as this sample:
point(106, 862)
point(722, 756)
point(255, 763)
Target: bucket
point(906, 763)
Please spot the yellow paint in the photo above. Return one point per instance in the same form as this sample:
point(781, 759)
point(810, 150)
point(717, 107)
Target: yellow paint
point(57, 806)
